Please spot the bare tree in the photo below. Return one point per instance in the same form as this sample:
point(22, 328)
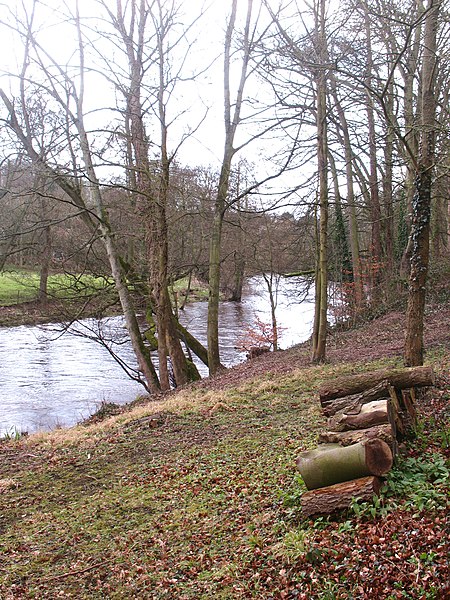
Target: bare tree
point(420, 230)
point(233, 117)
point(151, 179)
point(61, 88)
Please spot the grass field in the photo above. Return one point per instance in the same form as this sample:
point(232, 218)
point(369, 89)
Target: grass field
point(21, 285)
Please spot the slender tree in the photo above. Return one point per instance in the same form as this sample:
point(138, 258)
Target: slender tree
point(232, 118)
point(88, 197)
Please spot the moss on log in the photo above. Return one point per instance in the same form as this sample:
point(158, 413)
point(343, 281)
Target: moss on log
point(331, 463)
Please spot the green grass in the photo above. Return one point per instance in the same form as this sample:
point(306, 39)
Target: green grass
point(202, 505)
point(21, 285)
point(198, 290)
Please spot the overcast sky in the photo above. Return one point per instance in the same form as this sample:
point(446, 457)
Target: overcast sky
point(206, 146)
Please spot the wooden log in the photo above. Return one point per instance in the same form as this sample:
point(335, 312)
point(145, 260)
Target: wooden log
point(347, 402)
point(408, 404)
point(361, 417)
point(354, 384)
point(347, 438)
point(396, 417)
point(329, 499)
point(331, 463)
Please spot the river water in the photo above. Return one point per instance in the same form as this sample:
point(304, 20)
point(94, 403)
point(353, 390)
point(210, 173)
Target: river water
point(50, 380)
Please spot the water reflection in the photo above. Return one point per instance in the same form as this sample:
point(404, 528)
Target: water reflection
point(48, 380)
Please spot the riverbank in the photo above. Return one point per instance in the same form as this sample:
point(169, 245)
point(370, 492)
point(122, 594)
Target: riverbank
point(196, 495)
point(15, 311)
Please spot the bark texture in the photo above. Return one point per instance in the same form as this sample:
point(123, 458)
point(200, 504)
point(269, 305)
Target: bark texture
point(354, 384)
point(347, 438)
point(329, 499)
point(421, 205)
point(381, 390)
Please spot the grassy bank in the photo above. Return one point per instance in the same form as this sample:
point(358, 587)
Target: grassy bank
point(196, 497)
point(70, 296)
point(22, 285)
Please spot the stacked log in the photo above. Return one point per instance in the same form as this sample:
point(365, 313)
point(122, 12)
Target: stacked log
point(368, 414)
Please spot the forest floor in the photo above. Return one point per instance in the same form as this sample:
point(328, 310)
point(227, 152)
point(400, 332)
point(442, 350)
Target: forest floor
point(195, 495)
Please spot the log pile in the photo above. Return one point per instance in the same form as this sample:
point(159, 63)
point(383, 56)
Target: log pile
point(368, 414)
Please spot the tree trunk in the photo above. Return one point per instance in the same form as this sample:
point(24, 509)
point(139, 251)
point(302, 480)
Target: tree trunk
point(420, 231)
point(354, 384)
point(214, 291)
point(232, 118)
point(239, 256)
point(238, 279)
point(358, 291)
point(46, 257)
point(320, 334)
point(342, 263)
point(374, 206)
point(329, 499)
point(382, 390)
point(197, 348)
point(411, 126)
point(388, 205)
point(332, 463)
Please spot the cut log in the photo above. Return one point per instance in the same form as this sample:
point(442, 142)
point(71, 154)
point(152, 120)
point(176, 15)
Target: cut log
point(408, 405)
point(347, 438)
point(361, 417)
point(354, 384)
point(331, 463)
point(328, 499)
point(347, 402)
point(396, 417)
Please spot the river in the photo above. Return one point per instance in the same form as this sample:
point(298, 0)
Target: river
point(49, 380)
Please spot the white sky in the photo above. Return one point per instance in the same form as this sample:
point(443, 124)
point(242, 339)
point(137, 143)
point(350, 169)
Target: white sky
point(59, 38)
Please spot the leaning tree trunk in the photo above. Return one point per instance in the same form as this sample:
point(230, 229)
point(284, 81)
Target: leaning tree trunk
point(420, 231)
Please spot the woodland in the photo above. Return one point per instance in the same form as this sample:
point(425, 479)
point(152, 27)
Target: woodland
point(344, 106)
point(328, 127)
